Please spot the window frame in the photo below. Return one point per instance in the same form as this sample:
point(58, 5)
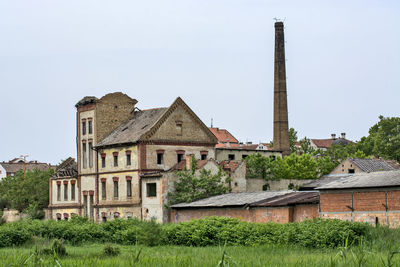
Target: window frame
point(150, 191)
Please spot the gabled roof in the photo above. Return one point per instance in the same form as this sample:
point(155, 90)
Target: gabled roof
point(135, 128)
point(145, 123)
point(365, 180)
point(372, 165)
point(323, 180)
point(322, 143)
point(223, 136)
point(68, 168)
point(230, 165)
point(231, 199)
point(14, 167)
point(289, 199)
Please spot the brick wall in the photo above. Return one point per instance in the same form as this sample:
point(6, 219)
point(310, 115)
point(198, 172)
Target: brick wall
point(373, 206)
point(259, 214)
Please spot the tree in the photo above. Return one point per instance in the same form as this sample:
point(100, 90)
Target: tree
point(383, 139)
point(305, 146)
point(292, 140)
point(191, 187)
point(27, 194)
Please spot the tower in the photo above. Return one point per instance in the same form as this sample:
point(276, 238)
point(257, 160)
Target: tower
point(281, 124)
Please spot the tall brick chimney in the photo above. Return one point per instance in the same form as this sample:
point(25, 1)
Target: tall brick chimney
point(281, 124)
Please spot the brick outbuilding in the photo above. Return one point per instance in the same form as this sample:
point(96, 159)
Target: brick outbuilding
point(267, 206)
point(364, 197)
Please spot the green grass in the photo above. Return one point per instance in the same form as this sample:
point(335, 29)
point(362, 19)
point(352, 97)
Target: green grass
point(92, 255)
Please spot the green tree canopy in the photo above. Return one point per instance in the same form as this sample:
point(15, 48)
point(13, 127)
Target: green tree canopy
point(191, 186)
point(383, 139)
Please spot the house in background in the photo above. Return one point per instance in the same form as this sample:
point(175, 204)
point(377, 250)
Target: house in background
point(357, 165)
point(324, 144)
point(229, 148)
point(11, 167)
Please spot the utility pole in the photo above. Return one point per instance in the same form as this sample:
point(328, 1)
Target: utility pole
point(24, 157)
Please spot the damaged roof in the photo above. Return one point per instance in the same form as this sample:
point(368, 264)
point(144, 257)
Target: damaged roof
point(365, 180)
point(68, 168)
point(131, 131)
point(323, 180)
point(232, 199)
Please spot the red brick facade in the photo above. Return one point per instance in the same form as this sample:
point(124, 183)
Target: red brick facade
point(375, 206)
point(259, 214)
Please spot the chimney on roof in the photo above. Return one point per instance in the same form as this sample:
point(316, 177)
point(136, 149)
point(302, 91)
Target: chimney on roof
point(333, 136)
point(189, 158)
point(343, 135)
point(281, 124)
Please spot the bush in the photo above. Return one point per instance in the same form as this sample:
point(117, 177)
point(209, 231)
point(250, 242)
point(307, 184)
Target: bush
point(111, 250)
point(58, 247)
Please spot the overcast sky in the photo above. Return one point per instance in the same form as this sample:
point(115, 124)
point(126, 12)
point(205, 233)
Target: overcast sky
point(342, 56)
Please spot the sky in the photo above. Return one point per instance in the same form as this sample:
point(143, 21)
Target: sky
point(342, 65)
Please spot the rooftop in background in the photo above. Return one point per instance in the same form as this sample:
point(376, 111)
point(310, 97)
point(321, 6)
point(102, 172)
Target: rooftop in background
point(16, 164)
point(67, 168)
point(326, 143)
point(365, 180)
point(372, 165)
point(223, 136)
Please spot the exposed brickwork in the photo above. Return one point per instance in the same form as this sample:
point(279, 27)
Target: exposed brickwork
point(336, 202)
point(304, 212)
point(393, 198)
point(369, 201)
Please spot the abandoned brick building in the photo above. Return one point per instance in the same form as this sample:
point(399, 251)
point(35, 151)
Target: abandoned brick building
point(126, 158)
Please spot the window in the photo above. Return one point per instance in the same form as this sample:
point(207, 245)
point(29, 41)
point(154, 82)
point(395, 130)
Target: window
point(273, 157)
point(103, 189)
point(244, 156)
point(90, 155)
point(103, 160)
point(160, 158)
point(58, 192)
point(151, 189)
point(115, 159)
point(85, 210)
point(65, 191)
point(84, 155)
point(128, 188)
point(90, 126)
point(72, 191)
point(180, 157)
point(115, 189)
point(91, 207)
point(203, 156)
point(83, 127)
point(128, 159)
point(104, 219)
point(351, 171)
point(231, 157)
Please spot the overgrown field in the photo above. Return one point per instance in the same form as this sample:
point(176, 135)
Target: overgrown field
point(212, 231)
point(214, 241)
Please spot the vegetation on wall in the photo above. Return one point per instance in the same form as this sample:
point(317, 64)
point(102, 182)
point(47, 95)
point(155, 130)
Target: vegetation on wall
point(29, 194)
point(191, 187)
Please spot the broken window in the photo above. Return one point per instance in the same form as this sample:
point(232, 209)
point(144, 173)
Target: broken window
point(103, 189)
point(115, 160)
point(160, 158)
point(180, 157)
point(115, 189)
point(128, 188)
point(128, 159)
point(231, 157)
point(65, 191)
point(72, 191)
point(103, 161)
point(84, 155)
point(58, 192)
point(351, 171)
point(203, 156)
point(90, 155)
point(151, 189)
point(83, 127)
point(244, 156)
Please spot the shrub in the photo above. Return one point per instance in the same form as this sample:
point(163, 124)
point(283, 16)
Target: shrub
point(58, 247)
point(111, 250)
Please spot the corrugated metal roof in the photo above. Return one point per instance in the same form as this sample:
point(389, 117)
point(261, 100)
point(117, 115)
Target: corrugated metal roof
point(323, 180)
point(365, 180)
point(232, 199)
point(290, 199)
point(372, 165)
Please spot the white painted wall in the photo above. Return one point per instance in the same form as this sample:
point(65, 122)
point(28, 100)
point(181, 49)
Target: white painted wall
point(2, 172)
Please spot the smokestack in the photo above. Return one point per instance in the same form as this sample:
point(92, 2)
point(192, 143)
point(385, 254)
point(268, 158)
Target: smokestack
point(281, 124)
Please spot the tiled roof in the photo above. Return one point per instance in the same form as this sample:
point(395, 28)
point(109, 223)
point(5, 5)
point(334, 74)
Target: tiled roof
point(372, 165)
point(365, 180)
point(182, 164)
point(131, 131)
point(230, 165)
point(223, 136)
point(14, 167)
point(322, 143)
point(232, 199)
point(86, 100)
